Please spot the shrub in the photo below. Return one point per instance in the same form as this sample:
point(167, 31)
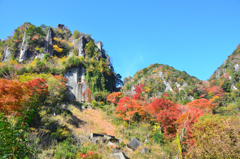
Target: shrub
point(100, 96)
point(158, 137)
point(66, 149)
point(76, 34)
point(216, 137)
point(13, 135)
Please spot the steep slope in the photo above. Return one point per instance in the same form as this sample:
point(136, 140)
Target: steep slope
point(159, 79)
point(227, 77)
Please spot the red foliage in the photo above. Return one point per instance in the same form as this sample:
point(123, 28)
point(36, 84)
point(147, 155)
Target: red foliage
point(216, 90)
point(202, 104)
point(38, 87)
point(166, 113)
point(185, 123)
point(114, 97)
point(60, 78)
point(165, 94)
point(14, 95)
point(138, 89)
point(127, 107)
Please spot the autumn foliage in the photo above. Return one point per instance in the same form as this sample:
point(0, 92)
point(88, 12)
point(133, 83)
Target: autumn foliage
point(14, 95)
point(114, 97)
point(172, 118)
point(166, 113)
point(134, 107)
point(202, 104)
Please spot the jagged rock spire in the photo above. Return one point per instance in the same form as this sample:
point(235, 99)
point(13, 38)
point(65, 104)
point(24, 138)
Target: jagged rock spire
point(49, 42)
point(23, 51)
point(82, 43)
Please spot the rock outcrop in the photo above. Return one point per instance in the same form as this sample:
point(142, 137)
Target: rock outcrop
point(7, 54)
point(82, 42)
point(23, 50)
point(99, 45)
point(76, 83)
point(49, 42)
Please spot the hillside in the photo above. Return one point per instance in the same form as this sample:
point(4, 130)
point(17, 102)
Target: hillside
point(159, 79)
point(45, 49)
point(60, 98)
point(227, 75)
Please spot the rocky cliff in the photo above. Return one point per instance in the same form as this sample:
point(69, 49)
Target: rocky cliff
point(83, 60)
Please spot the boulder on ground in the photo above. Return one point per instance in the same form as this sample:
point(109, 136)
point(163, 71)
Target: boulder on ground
point(134, 144)
point(145, 150)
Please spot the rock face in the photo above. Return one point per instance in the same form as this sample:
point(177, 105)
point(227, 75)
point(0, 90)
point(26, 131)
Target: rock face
point(82, 43)
point(7, 54)
point(49, 42)
point(76, 83)
point(218, 72)
point(99, 45)
point(236, 67)
point(24, 49)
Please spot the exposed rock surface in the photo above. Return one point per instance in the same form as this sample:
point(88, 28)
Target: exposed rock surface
point(145, 150)
point(24, 49)
point(82, 43)
point(236, 67)
point(7, 54)
point(134, 143)
point(132, 90)
point(120, 155)
point(49, 42)
point(217, 75)
point(76, 83)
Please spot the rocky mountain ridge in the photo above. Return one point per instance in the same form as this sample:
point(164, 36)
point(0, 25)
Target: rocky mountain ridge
point(31, 43)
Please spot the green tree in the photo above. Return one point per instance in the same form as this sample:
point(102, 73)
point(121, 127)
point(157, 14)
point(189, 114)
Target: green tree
point(76, 34)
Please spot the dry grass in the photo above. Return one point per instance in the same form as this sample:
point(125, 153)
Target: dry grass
point(95, 122)
point(98, 121)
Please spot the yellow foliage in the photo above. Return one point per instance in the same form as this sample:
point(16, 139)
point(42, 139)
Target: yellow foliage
point(37, 48)
point(12, 62)
point(2, 64)
point(70, 44)
point(60, 30)
point(56, 39)
point(216, 97)
point(58, 49)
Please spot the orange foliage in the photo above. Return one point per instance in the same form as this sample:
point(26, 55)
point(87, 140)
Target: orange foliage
point(88, 94)
point(129, 107)
point(202, 104)
point(216, 90)
point(114, 97)
point(14, 94)
point(61, 79)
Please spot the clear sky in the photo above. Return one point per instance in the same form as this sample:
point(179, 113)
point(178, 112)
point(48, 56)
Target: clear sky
point(195, 36)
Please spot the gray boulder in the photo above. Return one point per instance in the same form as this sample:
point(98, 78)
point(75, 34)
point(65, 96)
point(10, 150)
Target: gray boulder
point(49, 42)
point(134, 143)
point(145, 150)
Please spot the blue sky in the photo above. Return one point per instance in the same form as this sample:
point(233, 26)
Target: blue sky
point(195, 36)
